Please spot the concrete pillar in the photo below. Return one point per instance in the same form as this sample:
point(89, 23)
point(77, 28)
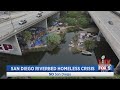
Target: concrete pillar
point(10, 46)
point(99, 33)
point(117, 69)
point(62, 13)
point(98, 37)
point(42, 24)
point(56, 16)
point(91, 20)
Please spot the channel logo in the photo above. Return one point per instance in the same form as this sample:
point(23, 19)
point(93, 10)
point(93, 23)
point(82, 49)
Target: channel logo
point(104, 65)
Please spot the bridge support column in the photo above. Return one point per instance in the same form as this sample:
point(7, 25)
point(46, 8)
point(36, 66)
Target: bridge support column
point(117, 69)
point(42, 24)
point(91, 20)
point(99, 35)
point(56, 16)
point(10, 46)
point(62, 13)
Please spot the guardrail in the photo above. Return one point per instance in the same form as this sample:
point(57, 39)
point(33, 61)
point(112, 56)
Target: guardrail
point(117, 13)
point(7, 18)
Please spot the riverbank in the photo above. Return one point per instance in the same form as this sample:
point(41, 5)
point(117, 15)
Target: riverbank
point(58, 30)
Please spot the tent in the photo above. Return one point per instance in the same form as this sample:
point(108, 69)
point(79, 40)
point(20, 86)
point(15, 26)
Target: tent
point(38, 42)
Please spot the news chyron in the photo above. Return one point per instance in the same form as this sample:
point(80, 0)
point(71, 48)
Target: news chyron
point(104, 68)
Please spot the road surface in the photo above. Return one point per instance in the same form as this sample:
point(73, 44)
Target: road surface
point(110, 32)
point(7, 29)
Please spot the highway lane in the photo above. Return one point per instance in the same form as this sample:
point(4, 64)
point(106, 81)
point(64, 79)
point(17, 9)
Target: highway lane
point(110, 32)
point(31, 18)
point(7, 27)
point(104, 17)
point(117, 12)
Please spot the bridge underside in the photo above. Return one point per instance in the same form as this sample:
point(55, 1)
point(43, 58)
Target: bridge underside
point(110, 32)
point(11, 45)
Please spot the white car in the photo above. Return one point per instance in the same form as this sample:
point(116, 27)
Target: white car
point(39, 14)
point(22, 22)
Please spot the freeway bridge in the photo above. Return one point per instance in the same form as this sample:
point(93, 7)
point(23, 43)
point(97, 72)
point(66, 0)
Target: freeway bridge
point(109, 25)
point(111, 32)
point(10, 28)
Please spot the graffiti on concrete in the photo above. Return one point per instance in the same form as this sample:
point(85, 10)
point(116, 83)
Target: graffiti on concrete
point(5, 47)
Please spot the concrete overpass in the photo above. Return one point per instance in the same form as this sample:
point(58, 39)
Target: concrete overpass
point(9, 29)
point(109, 31)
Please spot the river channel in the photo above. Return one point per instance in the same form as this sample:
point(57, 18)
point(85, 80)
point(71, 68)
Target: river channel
point(59, 56)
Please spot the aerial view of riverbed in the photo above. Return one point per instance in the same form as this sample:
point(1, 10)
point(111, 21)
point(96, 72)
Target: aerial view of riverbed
point(60, 45)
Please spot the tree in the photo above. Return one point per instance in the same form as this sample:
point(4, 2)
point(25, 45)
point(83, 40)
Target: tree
point(73, 14)
point(77, 19)
point(27, 36)
point(71, 21)
point(83, 22)
point(75, 39)
point(89, 44)
point(53, 39)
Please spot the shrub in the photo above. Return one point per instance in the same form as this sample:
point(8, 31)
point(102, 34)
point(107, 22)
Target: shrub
point(53, 39)
point(89, 44)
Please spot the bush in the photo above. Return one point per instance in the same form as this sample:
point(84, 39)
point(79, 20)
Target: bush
point(76, 18)
point(75, 50)
point(73, 14)
point(89, 44)
point(27, 36)
point(53, 39)
point(83, 22)
point(71, 21)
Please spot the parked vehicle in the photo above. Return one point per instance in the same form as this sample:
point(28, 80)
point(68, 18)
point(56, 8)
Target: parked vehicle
point(22, 22)
point(84, 52)
point(39, 15)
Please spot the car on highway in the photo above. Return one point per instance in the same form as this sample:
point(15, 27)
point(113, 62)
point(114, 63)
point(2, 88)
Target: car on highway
point(22, 22)
point(110, 22)
point(39, 14)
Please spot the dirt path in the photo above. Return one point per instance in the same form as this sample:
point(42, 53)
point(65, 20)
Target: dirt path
point(91, 29)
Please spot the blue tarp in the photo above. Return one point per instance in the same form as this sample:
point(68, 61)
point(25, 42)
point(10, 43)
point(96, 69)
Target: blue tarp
point(38, 42)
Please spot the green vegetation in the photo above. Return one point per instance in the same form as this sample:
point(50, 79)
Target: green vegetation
point(75, 38)
point(53, 39)
point(89, 44)
point(75, 50)
point(73, 14)
point(27, 36)
point(71, 21)
point(77, 19)
point(83, 22)
point(62, 35)
point(73, 29)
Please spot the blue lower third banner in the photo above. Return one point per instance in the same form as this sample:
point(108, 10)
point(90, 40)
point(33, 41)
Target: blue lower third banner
point(59, 70)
